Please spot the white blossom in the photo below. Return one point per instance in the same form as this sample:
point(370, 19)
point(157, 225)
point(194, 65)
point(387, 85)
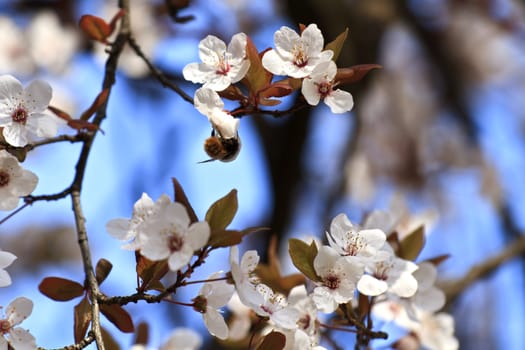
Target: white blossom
point(348, 240)
point(214, 295)
point(320, 85)
point(182, 339)
point(338, 279)
point(209, 103)
point(15, 181)
point(128, 229)
point(386, 272)
point(276, 308)
point(22, 111)
point(296, 55)
point(17, 337)
point(6, 259)
point(221, 65)
point(169, 234)
point(243, 276)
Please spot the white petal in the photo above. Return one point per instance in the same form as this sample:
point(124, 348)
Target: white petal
point(25, 184)
point(193, 73)
point(237, 46)
point(5, 279)
point(430, 300)
point(209, 48)
point(225, 124)
point(286, 317)
point(216, 82)
point(37, 96)
point(405, 286)
point(324, 300)
point(310, 91)
point(207, 100)
point(154, 246)
point(179, 259)
point(21, 339)
point(215, 323)
point(119, 228)
point(198, 235)
point(325, 260)
point(238, 71)
point(9, 87)
point(339, 101)
point(8, 202)
point(285, 40)
point(249, 261)
point(273, 63)
point(18, 310)
point(371, 286)
point(6, 259)
point(42, 125)
point(184, 338)
point(425, 275)
point(15, 134)
point(313, 36)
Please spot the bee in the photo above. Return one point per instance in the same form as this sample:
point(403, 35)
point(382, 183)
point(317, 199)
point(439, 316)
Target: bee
point(219, 148)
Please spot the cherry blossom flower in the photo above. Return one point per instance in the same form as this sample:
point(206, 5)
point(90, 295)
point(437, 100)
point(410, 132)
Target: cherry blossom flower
point(348, 240)
point(22, 111)
point(220, 66)
point(209, 103)
point(296, 55)
point(307, 335)
point(15, 181)
point(386, 272)
point(212, 296)
point(276, 308)
point(182, 339)
point(320, 85)
point(243, 276)
point(169, 234)
point(128, 229)
point(17, 338)
point(6, 259)
point(338, 279)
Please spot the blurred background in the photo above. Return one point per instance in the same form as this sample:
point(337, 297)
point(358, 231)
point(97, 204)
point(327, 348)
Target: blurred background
point(436, 137)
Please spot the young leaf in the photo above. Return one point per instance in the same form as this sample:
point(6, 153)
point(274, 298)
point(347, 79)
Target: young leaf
point(181, 198)
point(303, 256)
point(257, 77)
point(337, 44)
point(354, 73)
point(228, 238)
point(411, 245)
point(95, 28)
point(109, 342)
point(141, 334)
point(101, 98)
point(60, 289)
point(118, 316)
point(273, 341)
point(221, 213)
point(149, 271)
point(82, 318)
point(102, 270)
point(438, 259)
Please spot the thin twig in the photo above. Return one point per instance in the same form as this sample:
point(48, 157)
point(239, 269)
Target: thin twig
point(157, 73)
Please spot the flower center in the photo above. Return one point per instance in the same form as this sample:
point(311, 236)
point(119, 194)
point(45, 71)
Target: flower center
point(382, 270)
point(300, 57)
point(332, 281)
point(223, 67)
point(4, 178)
point(355, 245)
point(304, 322)
point(5, 326)
point(175, 243)
point(19, 115)
point(324, 88)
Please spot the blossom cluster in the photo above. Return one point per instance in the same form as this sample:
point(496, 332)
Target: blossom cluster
point(356, 261)
point(302, 57)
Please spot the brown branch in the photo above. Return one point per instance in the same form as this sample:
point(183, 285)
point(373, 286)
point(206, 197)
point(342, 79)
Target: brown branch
point(455, 287)
point(90, 338)
point(157, 73)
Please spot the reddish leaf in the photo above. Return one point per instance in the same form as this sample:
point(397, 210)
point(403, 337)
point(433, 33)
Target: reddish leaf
point(95, 28)
point(60, 289)
point(303, 256)
point(438, 259)
point(101, 98)
point(76, 124)
point(102, 270)
point(233, 93)
point(221, 213)
point(118, 316)
point(355, 73)
point(278, 89)
point(115, 18)
point(141, 334)
point(411, 245)
point(109, 342)
point(337, 44)
point(181, 198)
point(257, 77)
point(364, 306)
point(150, 271)
point(82, 318)
point(60, 113)
point(228, 238)
point(273, 341)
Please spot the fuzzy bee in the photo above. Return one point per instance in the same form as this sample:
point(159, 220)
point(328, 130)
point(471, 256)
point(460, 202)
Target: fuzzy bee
point(223, 149)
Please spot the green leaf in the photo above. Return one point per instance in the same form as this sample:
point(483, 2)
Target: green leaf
point(82, 318)
point(303, 256)
point(181, 198)
point(60, 289)
point(228, 238)
point(273, 341)
point(118, 316)
point(102, 270)
point(337, 44)
point(411, 245)
point(221, 213)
